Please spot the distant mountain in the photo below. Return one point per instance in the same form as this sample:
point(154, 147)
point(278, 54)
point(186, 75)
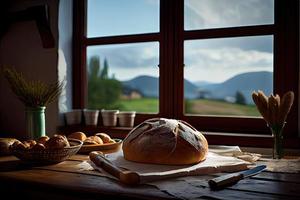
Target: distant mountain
point(149, 86)
point(202, 83)
point(246, 83)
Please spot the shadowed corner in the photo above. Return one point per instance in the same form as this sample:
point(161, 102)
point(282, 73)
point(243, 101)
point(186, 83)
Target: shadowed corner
point(13, 165)
point(40, 14)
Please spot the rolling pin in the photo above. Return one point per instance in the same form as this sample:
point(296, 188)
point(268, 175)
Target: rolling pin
point(125, 176)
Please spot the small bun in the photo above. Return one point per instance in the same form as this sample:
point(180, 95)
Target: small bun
point(15, 144)
point(57, 142)
point(77, 135)
point(43, 140)
point(105, 138)
point(29, 143)
point(20, 146)
point(93, 140)
point(38, 146)
point(89, 142)
point(6, 144)
point(96, 139)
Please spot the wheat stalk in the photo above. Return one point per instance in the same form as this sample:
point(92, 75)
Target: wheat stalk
point(32, 93)
point(273, 109)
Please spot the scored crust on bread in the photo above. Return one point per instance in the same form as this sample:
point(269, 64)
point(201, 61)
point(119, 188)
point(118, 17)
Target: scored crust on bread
point(165, 141)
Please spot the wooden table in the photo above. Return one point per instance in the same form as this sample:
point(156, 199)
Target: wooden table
point(31, 183)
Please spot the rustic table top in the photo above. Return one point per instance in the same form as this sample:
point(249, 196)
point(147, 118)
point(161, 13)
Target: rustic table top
point(32, 183)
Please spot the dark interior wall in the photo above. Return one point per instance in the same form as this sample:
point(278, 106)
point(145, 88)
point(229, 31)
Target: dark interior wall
point(21, 47)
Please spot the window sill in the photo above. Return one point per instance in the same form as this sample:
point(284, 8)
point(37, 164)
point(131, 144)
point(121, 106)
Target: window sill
point(214, 138)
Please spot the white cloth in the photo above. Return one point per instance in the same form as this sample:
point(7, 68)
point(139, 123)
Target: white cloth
point(214, 163)
point(235, 151)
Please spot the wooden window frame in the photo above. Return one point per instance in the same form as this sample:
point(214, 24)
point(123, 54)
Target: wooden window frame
point(171, 37)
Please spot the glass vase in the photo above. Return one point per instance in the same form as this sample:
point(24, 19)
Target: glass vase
point(278, 150)
point(35, 122)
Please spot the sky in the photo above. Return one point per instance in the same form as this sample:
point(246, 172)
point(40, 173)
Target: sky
point(212, 60)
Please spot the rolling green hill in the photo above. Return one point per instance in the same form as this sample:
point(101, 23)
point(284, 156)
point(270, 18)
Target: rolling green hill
point(200, 106)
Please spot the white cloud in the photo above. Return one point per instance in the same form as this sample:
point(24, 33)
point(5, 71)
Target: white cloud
point(226, 13)
point(217, 65)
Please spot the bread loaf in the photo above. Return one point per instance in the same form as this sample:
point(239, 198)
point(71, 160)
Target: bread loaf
point(165, 141)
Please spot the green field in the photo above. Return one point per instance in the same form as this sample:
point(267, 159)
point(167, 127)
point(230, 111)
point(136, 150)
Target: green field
point(199, 106)
point(213, 107)
point(144, 105)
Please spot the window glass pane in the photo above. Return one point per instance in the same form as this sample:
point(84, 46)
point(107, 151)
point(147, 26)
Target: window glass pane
point(124, 77)
point(221, 74)
point(204, 14)
point(121, 17)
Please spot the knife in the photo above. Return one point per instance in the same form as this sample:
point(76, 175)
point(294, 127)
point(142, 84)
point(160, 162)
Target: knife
point(230, 179)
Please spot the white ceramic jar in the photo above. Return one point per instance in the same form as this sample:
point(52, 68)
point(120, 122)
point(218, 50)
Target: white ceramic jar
point(126, 118)
point(73, 117)
point(109, 117)
point(91, 117)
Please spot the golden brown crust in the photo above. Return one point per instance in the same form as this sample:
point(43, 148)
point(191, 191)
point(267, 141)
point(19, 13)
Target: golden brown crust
point(29, 143)
point(57, 142)
point(6, 144)
point(89, 142)
point(164, 141)
point(111, 141)
point(38, 146)
point(43, 140)
point(93, 140)
point(78, 135)
point(104, 137)
point(20, 146)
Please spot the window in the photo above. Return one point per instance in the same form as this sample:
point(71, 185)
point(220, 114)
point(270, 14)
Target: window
point(201, 58)
point(221, 74)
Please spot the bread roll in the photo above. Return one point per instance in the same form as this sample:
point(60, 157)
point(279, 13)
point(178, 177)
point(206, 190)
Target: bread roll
point(29, 143)
point(43, 140)
point(165, 141)
point(78, 135)
point(89, 142)
point(104, 137)
point(38, 147)
point(5, 144)
point(20, 146)
point(57, 142)
point(93, 140)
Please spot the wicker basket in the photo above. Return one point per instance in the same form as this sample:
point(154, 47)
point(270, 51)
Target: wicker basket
point(48, 156)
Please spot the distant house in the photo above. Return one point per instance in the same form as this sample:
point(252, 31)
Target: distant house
point(133, 94)
point(230, 99)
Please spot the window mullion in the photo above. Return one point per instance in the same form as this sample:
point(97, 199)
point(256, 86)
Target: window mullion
point(177, 55)
point(79, 55)
point(166, 89)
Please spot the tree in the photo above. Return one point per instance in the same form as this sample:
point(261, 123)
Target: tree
point(103, 91)
point(104, 72)
point(240, 98)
